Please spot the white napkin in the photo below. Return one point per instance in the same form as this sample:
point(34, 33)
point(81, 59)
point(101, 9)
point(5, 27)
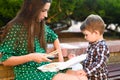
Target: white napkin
point(63, 65)
point(72, 61)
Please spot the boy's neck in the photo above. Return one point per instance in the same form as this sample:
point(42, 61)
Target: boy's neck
point(100, 38)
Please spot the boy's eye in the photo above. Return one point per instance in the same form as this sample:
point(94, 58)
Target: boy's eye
point(85, 34)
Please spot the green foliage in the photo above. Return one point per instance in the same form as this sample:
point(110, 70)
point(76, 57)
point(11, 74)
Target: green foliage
point(112, 11)
point(61, 9)
point(8, 9)
point(109, 10)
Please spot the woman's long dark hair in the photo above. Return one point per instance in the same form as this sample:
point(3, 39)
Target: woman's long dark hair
point(28, 17)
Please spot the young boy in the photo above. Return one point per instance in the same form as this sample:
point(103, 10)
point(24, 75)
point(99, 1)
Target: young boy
point(95, 64)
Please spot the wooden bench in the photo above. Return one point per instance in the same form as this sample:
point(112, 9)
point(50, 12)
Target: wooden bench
point(114, 71)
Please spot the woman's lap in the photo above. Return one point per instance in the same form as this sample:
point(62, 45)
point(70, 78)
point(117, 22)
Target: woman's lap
point(63, 76)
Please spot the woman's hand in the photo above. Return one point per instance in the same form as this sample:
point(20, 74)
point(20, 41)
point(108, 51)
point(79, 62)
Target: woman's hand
point(39, 57)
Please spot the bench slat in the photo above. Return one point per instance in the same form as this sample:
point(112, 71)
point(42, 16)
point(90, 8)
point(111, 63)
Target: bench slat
point(113, 67)
point(114, 70)
point(114, 74)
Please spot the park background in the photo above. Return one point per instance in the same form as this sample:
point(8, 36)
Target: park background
point(65, 18)
point(63, 11)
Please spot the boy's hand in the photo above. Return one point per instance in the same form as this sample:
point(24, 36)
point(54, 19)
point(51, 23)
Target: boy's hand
point(81, 72)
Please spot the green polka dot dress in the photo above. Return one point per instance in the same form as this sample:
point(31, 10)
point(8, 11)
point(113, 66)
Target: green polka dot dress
point(16, 45)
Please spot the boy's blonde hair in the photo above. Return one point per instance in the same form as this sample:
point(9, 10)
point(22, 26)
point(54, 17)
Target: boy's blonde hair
point(92, 23)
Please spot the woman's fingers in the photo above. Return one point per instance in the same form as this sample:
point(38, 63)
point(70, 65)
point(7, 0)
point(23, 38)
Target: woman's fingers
point(39, 57)
point(46, 59)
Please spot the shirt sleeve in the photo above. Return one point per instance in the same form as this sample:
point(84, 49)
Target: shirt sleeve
point(99, 60)
point(7, 47)
point(51, 36)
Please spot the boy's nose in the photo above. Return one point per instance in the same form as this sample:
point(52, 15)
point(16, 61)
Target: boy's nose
point(85, 37)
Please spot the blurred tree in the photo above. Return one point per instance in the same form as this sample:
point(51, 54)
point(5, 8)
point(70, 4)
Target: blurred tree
point(109, 10)
point(8, 9)
point(62, 11)
point(59, 15)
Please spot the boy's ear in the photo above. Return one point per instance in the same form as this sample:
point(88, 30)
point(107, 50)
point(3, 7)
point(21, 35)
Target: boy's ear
point(96, 32)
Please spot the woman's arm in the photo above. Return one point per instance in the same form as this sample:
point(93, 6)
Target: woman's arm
point(17, 60)
point(57, 47)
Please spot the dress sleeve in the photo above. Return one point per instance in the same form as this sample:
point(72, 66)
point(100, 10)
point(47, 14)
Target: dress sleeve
point(7, 47)
point(51, 36)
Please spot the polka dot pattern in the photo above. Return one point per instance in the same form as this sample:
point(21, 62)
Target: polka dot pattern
point(49, 34)
point(15, 44)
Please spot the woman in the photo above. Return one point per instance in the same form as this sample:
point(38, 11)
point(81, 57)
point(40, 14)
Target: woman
point(24, 41)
